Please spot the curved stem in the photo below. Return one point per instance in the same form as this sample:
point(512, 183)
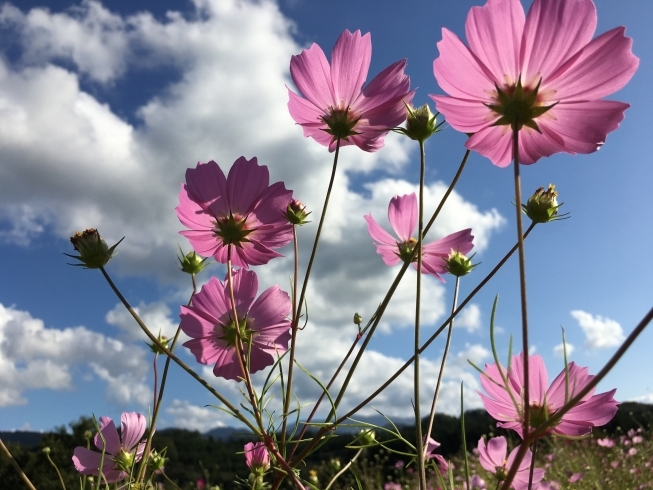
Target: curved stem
point(522, 278)
point(63, 485)
point(436, 394)
point(418, 296)
point(237, 413)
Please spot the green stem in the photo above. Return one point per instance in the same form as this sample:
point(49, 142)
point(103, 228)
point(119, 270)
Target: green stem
point(522, 278)
point(63, 485)
point(22, 474)
point(342, 471)
point(418, 296)
point(237, 413)
point(530, 473)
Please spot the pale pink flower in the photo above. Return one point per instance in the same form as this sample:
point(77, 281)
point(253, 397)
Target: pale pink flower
point(392, 486)
point(477, 483)
point(493, 458)
point(431, 445)
point(605, 442)
point(592, 411)
point(257, 457)
point(576, 477)
point(551, 53)
point(262, 322)
point(120, 452)
point(638, 439)
point(334, 101)
point(242, 212)
point(402, 213)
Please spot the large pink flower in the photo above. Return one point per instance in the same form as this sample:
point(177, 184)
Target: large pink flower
point(257, 456)
point(402, 213)
point(592, 411)
point(120, 452)
point(241, 211)
point(493, 458)
point(334, 100)
point(263, 324)
point(552, 54)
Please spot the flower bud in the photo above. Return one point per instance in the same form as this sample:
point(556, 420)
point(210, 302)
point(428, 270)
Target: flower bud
point(366, 437)
point(156, 461)
point(88, 434)
point(165, 341)
point(93, 250)
point(46, 450)
point(335, 464)
point(542, 206)
point(358, 319)
point(458, 264)
point(296, 213)
point(420, 123)
point(191, 263)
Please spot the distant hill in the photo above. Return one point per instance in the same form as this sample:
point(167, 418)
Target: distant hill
point(25, 438)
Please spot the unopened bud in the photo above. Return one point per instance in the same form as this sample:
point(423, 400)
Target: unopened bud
point(88, 434)
point(191, 263)
point(366, 437)
point(542, 206)
point(93, 250)
point(358, 319)
point(163, 340)
point(46, 450)
point(420, 123)
point(458, 264)
point(156, 461)
point(296, 213)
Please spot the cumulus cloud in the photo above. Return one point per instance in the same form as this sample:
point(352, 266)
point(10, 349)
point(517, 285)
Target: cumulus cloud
point(35, 357)
point(469, 318)
point(193, 417)
point(559, 349)
point(599, 332)
point(156, 317)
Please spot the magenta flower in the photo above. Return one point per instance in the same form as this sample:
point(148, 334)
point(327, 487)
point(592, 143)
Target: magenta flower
point(242, 212)
point(334, 101)
point(120, 452)
point(263, 324)
point(493, 458)
point(592, 411)
point(402, 213)
point(257, 457)
point(543, 69)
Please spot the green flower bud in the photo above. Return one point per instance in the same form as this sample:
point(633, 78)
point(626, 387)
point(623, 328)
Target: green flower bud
point(165, 341)
point(420, 123)
point(542, 206)
point(191, 263)
point(88, 434)
point(366, 437)
point(296, 213)
point(358, 319)
point(46, 450)
point(458, 264)
point(93, 250)
point(156, 461)
point(125, 460)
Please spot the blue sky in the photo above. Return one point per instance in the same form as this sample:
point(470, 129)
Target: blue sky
point(103, 107)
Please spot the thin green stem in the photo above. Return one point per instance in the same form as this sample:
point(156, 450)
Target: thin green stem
point(530, 473)
point(63, 485)
point(293, 339)
point(344, 469)
point(522, 278)
point(444, 360)
point(237, 413)
point(16, 466)
point(418, 304)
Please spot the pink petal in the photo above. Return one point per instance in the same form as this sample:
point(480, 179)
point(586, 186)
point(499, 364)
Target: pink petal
point(584, 126)
point(350, 62)
point(494, 143)
point(500, 410)
point(271, 308)
point(597, 411)
point(462, 241)
point(555, 30)
point(386, 244)
point(494, 34)
point(272, 203)
point(602, 67)
point(206, 350)
point(459, 73)
point(245, 286)
point(402, 213)
point(385, 91)
point(304, 112)
point(467, 116)
point(204, 242)
point(577, 377)
point(312, 75)
point(227, 365)
point(193, 214)
point(132, 429)
point(88, 463)
point(534, 145)
point(537, 376)
point(206, 184)
point(260, 359)
point(247, 179)
point(110, 434)
point(210, 303)
point(493, 454)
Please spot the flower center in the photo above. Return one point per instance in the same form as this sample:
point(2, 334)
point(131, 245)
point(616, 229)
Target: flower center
point(341, 122)
point(519, 106)
point(501, 472)
point(232, 229)
point(406, 250)
point(125, 460)
point(230, 335)
point(538, 414)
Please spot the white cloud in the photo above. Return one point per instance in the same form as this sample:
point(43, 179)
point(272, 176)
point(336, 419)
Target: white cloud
point(35, 357)
point(469, 318)
point(156, 317)
point(559, 349)
point(600, 332)
point(192, 417)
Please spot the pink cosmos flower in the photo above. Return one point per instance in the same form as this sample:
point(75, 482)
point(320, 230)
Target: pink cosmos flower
point(263, 324)
point(241, 211)
point(606, 442)
point(402, 213)
point(493, 458)
point(592, 411)
point(544, 67)
point(257, 456)
point(120, 452)
point(334, 101)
